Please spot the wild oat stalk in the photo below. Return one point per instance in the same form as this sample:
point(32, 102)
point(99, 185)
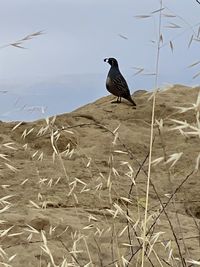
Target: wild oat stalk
point(18, 43)
point(152, 132)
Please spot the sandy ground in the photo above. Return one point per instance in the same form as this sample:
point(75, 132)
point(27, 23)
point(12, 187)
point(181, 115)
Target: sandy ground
point(73, 187)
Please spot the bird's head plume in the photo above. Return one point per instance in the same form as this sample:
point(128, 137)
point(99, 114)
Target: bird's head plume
point(112, 61)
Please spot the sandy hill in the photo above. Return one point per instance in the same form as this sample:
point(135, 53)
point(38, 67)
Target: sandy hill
point(73, 186)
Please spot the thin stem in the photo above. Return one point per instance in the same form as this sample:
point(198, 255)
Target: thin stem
point(151, 136)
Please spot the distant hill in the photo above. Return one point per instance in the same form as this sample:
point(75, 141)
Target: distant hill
point(56, 95)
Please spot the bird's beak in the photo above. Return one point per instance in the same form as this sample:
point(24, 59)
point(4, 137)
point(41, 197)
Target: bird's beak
point(105, 60)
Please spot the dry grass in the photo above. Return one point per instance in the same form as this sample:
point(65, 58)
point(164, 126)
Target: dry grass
point(20, 42)
point(123, 229)
point(122, 219)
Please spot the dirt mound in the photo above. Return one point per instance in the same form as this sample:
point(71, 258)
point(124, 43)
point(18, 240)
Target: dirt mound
point(73, 187)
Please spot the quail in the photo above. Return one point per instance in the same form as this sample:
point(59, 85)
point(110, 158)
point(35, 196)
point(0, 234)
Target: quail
point(115, 82)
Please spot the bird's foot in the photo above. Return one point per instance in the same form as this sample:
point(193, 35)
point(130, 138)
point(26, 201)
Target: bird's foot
point(116, 101)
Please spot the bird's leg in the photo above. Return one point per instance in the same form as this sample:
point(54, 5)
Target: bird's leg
point(117, 101)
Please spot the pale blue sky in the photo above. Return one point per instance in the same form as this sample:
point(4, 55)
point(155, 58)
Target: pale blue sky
point(79, 34)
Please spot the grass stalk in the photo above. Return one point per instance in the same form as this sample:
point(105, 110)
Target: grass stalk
point(151, 136)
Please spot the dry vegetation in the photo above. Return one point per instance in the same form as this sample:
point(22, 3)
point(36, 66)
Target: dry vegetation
point(105, 185)
point(73, 186)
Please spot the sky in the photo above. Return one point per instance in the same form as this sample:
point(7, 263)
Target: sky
point(66, 62)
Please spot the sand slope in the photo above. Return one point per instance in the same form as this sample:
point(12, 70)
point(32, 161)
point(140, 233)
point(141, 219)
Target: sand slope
point(73, 176)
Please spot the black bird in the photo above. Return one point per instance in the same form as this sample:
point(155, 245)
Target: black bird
point(115, 82)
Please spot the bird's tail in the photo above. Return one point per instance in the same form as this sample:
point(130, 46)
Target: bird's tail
point(131, 100)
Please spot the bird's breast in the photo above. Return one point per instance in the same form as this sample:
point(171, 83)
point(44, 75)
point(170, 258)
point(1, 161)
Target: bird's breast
point(111, 87)
point(108, 82)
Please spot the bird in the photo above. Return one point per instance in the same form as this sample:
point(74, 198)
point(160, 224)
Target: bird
point(116, 84)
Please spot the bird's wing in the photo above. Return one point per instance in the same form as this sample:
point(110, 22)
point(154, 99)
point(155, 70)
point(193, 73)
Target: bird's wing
point(120, 83)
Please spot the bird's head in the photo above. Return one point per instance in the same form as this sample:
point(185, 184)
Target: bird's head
point(112, 61)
